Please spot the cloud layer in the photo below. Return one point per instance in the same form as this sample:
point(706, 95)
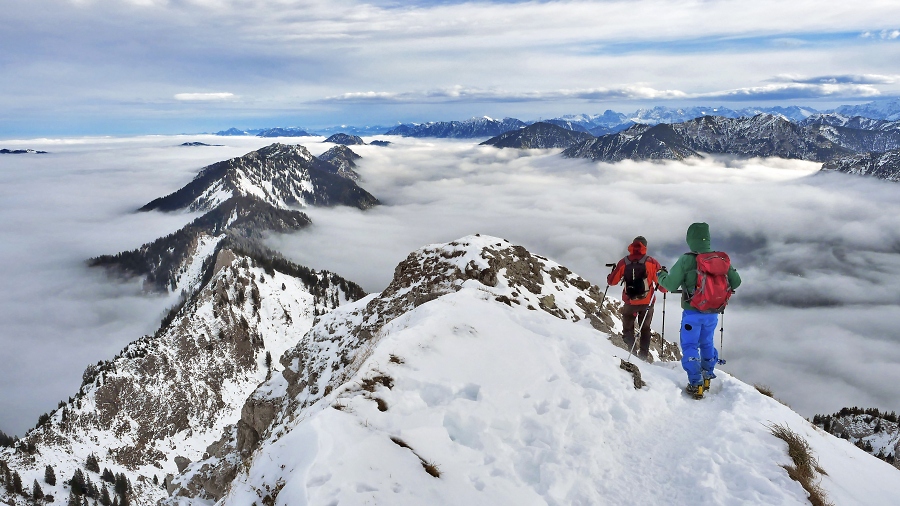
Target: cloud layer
point(820, 255)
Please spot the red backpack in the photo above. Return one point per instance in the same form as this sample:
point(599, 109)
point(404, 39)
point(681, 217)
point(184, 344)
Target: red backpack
point(713, 290)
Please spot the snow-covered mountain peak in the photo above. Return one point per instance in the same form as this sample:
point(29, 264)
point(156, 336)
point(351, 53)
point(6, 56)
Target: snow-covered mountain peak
point(281, 175)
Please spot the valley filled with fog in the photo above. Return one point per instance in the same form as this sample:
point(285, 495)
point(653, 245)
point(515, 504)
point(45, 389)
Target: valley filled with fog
point(815, 319)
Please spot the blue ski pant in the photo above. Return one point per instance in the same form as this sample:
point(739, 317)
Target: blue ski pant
point(698, 353)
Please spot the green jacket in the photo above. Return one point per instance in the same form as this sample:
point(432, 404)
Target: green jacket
point(683, 275)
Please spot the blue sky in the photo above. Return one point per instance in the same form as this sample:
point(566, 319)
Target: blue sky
point(73, 67)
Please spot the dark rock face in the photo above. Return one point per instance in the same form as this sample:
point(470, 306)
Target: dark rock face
point(539, 135)
point(280, 174)
point(881, 165)
point(192, 144)
point(469, 129)
point(380, 143)
point(761, 135)
point(283, 132)
point(343, 159)
point(345, 139)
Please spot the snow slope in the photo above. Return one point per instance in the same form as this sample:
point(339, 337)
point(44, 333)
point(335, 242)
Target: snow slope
point(466, 368)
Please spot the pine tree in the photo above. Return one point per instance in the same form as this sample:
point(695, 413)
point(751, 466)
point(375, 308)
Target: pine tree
point(104, 497)
point(76, 484)
point(91, 463)
point(17, 482)
point(36, 493)
point(108, 476)
point(74, 499)
point(49, 475)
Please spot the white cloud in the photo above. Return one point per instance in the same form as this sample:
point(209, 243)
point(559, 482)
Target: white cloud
point(204, 97)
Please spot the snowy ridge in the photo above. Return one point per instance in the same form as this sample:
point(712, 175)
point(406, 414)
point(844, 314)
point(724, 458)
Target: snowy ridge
point(281, 175)
point(461, 396)
point(328, 360)
point(165, 398)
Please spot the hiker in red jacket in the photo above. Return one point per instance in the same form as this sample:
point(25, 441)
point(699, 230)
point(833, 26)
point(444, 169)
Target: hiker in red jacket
point(638, 272)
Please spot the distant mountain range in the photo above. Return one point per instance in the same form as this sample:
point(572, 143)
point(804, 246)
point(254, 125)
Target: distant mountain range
point(596, 124)
point(468, 129)
point(853, 145)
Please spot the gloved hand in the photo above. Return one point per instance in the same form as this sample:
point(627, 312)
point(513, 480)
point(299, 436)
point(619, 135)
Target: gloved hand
point(663, 268)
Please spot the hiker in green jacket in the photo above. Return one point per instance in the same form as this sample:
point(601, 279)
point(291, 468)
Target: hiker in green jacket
point(698, 325)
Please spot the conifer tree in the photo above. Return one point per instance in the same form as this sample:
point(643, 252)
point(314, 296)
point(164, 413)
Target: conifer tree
point(108, 476)
point(36, 493)
point(74, 499)
point(104, 497)
point(91, 463)
point(17, 482)
point(49, 475)
point(76, 484)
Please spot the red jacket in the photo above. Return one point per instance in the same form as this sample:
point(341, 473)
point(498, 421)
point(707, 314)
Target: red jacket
point(636, 251)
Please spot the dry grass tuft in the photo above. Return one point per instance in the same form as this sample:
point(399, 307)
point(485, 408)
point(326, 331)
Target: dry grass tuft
point(805, 468)
point(369, 384)
point(763, 389)
point(401, 443)
point(396, 360)
point(432, 469)
point(382, 405)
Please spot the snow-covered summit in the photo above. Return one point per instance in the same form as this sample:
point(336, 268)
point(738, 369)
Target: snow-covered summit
point(485, 374)
point(279, 174)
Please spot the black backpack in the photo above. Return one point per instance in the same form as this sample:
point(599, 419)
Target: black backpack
point(635, 279)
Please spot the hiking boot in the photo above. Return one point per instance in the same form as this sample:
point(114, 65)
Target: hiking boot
point(707, 378)
point(695, 391)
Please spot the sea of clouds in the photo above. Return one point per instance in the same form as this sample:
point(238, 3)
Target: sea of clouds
point(815, 319)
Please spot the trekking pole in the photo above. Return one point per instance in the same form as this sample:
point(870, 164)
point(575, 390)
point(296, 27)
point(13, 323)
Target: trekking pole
point(662, 338)
point(639, 326)
point(603, 300)
point(721, 361)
